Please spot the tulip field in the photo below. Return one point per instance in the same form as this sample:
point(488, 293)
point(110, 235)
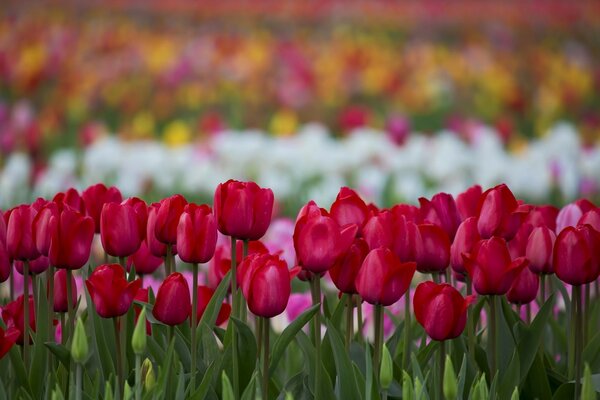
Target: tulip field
point(474, 296)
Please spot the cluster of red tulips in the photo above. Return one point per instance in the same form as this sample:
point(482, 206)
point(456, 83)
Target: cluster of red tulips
point(488, 243)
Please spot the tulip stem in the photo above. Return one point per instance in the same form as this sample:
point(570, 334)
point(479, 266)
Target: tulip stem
point(11, 283)
point(168, 261)
point(259, 334)
point(407, 332)
point(51, 332)
point(78, 385)
point(441, 362)
point(242, 301)
point(70, 308)
point(123, 263)
point(586, 314)
point(492, 336)
point(359, 317)
point(235, 312)
point(542, 289)
point(138, 377)
point(119, 357)
point(316, 298)
point(349, 320)
point(63, 336)
point(26, 314)
point(194, 323)
point(577, 306)
point(470, 324)
point(265, 338)
point(378, 334)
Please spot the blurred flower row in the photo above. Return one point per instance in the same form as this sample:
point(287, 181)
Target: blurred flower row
point(312, 165)
point(143, 75)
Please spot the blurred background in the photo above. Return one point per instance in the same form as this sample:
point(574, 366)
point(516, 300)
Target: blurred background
point(399, 99)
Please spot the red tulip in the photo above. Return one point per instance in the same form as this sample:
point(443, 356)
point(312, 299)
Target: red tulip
point(320, 242)
point(7, 339)
point(71, 198)
point(467, 202)
point(173, 304)
point(5, 264)
point(575, 257)
point(405, 234)
point(95, 197)
point(499, 213)
point(466, 237)
point(141, 210)
point(539, 250)
point(517, 246)
point(542, 216)
point(120, 229)
point(71, 240)
point(441, 211)
point(41, 227)
point(144, 261)
point(196, 234)
point(378, 230)
point(432, 251)
point(410, 212)
point(382, 278)
point(441, 310)
point(13, 317)
point(204, 295)
point(524, 288)
point(167, 218)
point(349, 208)
point(343, 273)
point(265, 284)
point(591, 218)
point(19, 234)
point(156, 247)
point(490, 267)
point(243, 209)
point(60, 291)
point(585, 205)
point(221, 262)
point(36, 266)
point(110, 291)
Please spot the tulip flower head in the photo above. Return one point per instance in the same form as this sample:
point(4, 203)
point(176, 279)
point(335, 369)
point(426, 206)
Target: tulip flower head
point(110, 291)
point(173, 304)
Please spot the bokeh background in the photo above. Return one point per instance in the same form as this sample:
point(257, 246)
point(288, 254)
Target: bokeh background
point(398, 99)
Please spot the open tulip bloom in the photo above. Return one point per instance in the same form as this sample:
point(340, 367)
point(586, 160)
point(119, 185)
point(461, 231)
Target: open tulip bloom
point(349, 313)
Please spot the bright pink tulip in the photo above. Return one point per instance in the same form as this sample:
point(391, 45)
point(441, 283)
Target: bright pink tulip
point(19, 235)
point(576, 258)
point(466, 237)
point(441, 211)
point(196, 234)
point(467, 202)
point(349, 208)
point(167, 218)
point(60, 291)
point(591, 218)
point(173, 304)
point(120, 229)
point(141, 209)
point(539, 250)
point(517, 246)
point(95, 197)
point(432, 249)
point(524, 288)
point(110, 291)
point(499, 213)
point(71, 240)
point(405, 235)
point(343, 273)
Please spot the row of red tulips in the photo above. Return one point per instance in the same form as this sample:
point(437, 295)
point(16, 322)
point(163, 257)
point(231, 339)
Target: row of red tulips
point(492, 242)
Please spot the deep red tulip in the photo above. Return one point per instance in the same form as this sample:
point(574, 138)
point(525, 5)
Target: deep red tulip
point(405, 234)
point(220, 265)
point(524, 288)
point(110, 291)
point(156, 247)
point(19, 234)
point(467, 202)
point(499, 213)
point(71, 198)
point(542, 216)
point(441, 310)
point(60, 291)
point(71, 240)
point(410, 212)
point(5, 264)
point(378, 230)
point(204, 295)
point(569, 215)
point(7, 339)
point(266, 284)
point(144, 261)
point(432, 251)
point(36, 266)
point(382, 278)
point(3, 223)
point(41, 227)
point(243, 209)
point(120, 229)
point(466, 237)
point(12, 315)
point(591, 218)
point(343, 273)
point(320, 242)
point(585, 205)
point(196, 234)
point(141, 210)
point(167, 218)
point(173, 304)
point(441, 211)
point(575, 257)
point(490, 267)
point(539, 250)
point(95, 197)
point(517, 246)
point(349, 208)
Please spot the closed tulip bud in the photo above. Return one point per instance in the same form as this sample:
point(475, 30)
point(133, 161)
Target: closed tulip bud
point(408, 391)
point(588, 389)
point(466, 237)
point(95, 197)
point(591, 218)
point(441, 310)
point(542, 216)
point(7, 339)
point(120, 230)
point(243, 209)
point(491, 268)
point(569, 215)
point(79, 345)
point(143, 260)
point(148, 376)
point(467, 202)
point(499, 213)
point(19, 234)
point(41, 227)
point(71, 240)
point(524, 288)
point(108, 392)
point(266, 284)
point(349, 208)
point(378, 231)
point(173, 305)
point(60, 291)
point(156, 247)
point(167, 218)
point(196, 234)
point(12, 315)
point(539, 250)
point(432, 250)
point(72, 199)
point(343, 273)
point(320, 242)
point(138, 339)
point(110, 291)
point(441, 211)
point(382, 278)
point(575, 257)
point(204, 295)
point(386, 372)
point(450, 386)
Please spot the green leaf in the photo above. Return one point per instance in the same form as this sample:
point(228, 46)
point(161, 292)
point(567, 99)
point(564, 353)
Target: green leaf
point(325, 390)
point(60, 352)
point(19, 369)
point(250, 391)
point(227, 391)
point(39, 363)
point(536, 384)
point(246, 352)
point(511, 377)
point(202, 390)
point(368, 373)
point(529, 340)
point(462, 376)
point(348, 389)
point(450, 384)
point(587, 389)
point(209, 317)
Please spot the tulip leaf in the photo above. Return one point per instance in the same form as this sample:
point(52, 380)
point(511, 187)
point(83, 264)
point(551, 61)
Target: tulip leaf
point(348, 389)
point(100, 333)
point(183, 350)
point(37, 370)
point(227, 390)
point(250, 391)
point(462, 375)
point(338, 312)
point(530, 338)
point(202, 390)
point(325, 389)
point(536, 384)
point(368, 374)
point(246, 352)
point(61, 352)
point(511, 377)
point(19, 369)
point(209, 317)
point(209, 347)
point(288, 334)
point(165, 370)
point(565, 392)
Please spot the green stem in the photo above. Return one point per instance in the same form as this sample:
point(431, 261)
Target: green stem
point(436, 277)
point(470, 324)
point(259, 334)
point(586, 314)
point(349, 320)
point(236, 313)
point(448, 276)
point(242, 301)
point(63, 328)
point(542, 289)
point(572, 336)
point(194, 323)
point(316, 298)
point(120, 380)
point(123, 263)
point(407, 332)
point(378, 328)
point(138, 377)
point(359, 317)
point(441, 362)
point(70, 307)
point(26, 314)
point(492, 336)
point(78, 383)
point(578, 339)
point(168, 261)
point(11, 283)
point(265, 375)
point(52, 336)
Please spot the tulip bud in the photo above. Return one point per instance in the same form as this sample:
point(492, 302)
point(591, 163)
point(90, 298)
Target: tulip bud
point(467, 202)
point(386, 373)
point(343, 273)
point(148, 376)
point(515, 394)
point(450, 384)
point(60, 291)
point(108, 392)
point(432, 250)
point(407, 386)
point(569, 215)
point(120, 229)
point(127, 392)
point(500, 214)
point(588, 391)
point(226, 389)
point(539, 250)
point(138, 339)
point(591, 218)
point(378, 230)
point(71, 240)
point(79, 346)
point(265, 281)
point(466, 237)
point(72, 199)
point(524, 288)
point(19, 235)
